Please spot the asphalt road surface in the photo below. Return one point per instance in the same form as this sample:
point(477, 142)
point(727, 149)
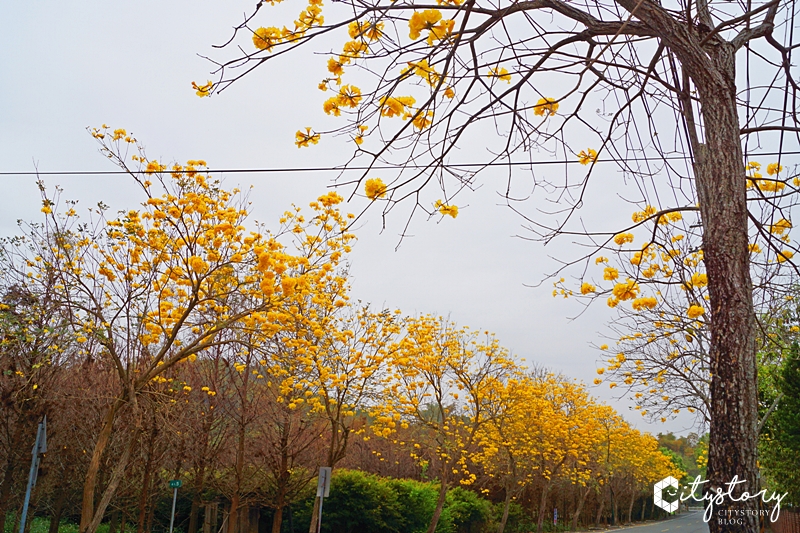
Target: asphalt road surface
point(691, 522)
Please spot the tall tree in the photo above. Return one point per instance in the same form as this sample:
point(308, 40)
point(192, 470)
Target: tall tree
point(158, 285)
point(443, 379)
point(664, 78)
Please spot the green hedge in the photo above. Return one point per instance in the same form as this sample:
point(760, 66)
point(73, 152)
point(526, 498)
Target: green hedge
point(366, 503)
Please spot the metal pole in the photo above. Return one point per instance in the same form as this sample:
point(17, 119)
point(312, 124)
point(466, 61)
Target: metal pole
point(172, 518)
point(319, 521)
point(31, 479)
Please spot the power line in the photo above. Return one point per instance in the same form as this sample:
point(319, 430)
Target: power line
point(374, 167)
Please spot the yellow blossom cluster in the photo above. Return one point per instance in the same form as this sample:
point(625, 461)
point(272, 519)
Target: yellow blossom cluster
point(430, 20)
point(545, 107)
point(772, 184)
point(348, 96)
point(623, 238)
point(397, 106)
point(203, 90)
point(306, 138)
point(445, 209)
point(423, 70)
point(499, 73)
point(374, 188)
point(587, 156)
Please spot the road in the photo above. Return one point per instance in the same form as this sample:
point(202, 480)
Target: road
point(691, 522)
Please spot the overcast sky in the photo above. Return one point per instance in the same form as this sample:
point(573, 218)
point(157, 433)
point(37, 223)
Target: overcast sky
point(67, 66)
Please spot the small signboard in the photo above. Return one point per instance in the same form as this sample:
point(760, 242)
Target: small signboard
point(175, 483)
point(324, 482)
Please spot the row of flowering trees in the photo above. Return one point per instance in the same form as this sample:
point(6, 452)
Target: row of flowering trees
point(173, 340)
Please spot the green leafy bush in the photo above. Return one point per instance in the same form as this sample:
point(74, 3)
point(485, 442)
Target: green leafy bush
point(366, 503)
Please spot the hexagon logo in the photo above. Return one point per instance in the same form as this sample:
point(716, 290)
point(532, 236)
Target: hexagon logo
point(668, 481)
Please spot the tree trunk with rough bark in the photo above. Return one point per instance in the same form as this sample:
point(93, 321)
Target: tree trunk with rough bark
point(113, 483)
point(722, 193)
point(90, 482)
point(721, 189)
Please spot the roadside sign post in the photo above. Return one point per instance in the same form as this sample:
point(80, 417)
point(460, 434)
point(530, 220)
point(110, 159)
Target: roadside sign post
point(323, 489)
point(39, 449)
point(174, 484)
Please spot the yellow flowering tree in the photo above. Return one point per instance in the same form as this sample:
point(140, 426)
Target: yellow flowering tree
point(443, 379)
point(559, 436)
point(542, 429)
point(330, 360)
point(158, 285)
point(634, 463)
point(654, 276)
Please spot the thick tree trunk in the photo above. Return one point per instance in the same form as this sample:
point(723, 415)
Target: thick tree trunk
point(90, 482)
point(113, 483)
point(577, 514)
point(721, 190)
point(542, 506)
point(277, 518)
point(280, 502)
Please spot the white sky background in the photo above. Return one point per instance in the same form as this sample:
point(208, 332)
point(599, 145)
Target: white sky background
point(69, 65)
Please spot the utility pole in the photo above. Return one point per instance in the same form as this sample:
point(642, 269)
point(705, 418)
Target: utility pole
point(39, 449)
